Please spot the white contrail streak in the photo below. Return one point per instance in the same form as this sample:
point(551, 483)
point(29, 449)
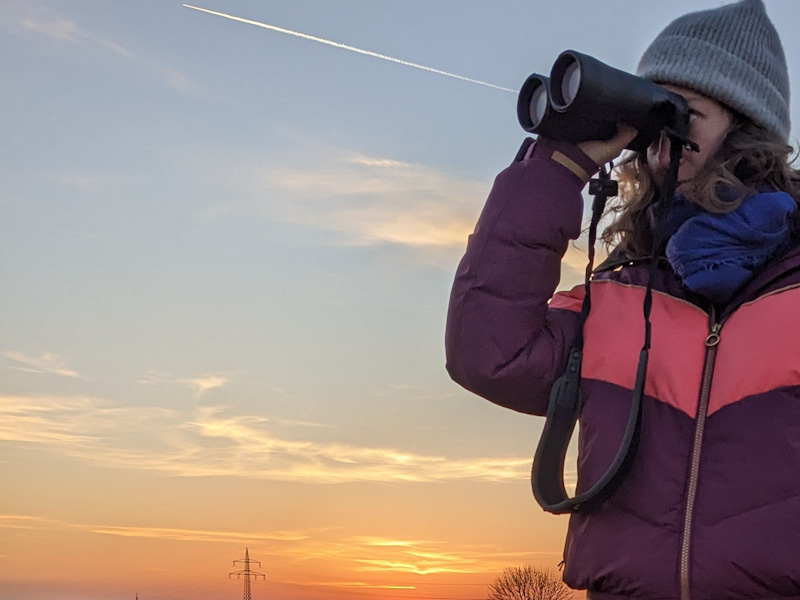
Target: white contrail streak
point(351, 48)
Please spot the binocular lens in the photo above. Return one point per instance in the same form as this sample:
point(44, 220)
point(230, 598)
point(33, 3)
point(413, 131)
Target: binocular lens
point(571, 83)
point(538, 105)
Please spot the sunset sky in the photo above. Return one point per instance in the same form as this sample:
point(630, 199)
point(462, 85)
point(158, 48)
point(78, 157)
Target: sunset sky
point(226, 253)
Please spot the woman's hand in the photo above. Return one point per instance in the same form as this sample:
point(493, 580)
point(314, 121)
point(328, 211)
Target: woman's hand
point(602, 152)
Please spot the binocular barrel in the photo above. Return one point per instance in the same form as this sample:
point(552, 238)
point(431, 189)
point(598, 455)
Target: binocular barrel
point(584, 99)
point(537, 114)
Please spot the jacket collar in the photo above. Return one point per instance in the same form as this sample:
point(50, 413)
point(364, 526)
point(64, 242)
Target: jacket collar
point(770, 278)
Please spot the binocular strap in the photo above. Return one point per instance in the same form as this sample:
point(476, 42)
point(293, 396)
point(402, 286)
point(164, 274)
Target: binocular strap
point(566, 402)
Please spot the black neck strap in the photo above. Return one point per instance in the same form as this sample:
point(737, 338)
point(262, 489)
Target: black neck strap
point(566, 401)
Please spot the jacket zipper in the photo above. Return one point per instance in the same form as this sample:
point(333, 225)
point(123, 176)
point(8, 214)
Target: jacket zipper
point(702, 410)
point(711, 342)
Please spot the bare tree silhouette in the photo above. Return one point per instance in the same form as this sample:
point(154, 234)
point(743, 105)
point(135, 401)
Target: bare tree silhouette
point(529, 583)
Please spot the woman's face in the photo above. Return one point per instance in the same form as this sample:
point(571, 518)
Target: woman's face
point(709, 122)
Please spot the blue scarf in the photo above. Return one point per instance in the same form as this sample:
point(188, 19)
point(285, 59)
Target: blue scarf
point(715, 254)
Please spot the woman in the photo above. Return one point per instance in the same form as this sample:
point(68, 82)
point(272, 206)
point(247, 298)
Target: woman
point(711, 506)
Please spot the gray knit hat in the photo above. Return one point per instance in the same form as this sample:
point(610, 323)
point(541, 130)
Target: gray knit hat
point(732, 54)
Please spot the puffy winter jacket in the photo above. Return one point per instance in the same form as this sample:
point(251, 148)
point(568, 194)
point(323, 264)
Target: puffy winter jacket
point(711, 508)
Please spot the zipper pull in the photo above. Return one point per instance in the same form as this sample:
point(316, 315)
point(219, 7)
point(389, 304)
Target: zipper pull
point(713, 337)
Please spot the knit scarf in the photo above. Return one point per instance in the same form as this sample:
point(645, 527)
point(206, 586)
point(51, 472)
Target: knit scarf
point(715, 254)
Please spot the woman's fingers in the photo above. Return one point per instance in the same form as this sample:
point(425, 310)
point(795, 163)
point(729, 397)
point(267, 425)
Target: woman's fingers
point(603, 151)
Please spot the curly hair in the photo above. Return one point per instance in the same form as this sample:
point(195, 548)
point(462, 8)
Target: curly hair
point(748, 158)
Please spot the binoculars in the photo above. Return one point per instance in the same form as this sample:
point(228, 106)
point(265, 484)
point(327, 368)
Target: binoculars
point(584, 99)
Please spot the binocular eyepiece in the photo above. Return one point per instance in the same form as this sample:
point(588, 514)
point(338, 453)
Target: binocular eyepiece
point(584, 99)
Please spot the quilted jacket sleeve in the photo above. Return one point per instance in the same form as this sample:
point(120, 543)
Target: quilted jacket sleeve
point(504, 341)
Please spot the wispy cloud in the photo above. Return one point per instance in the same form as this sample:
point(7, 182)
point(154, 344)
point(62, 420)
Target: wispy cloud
point(47, 363)
point(190, 535)
point(204, 441)
point(353, 199)
point(376, 200)
point(248, 442)
point(420, 557)
point(61, 29)
point(415, 557)
point(194, 535)
point(369, 562)
point(362, 585)
point(362, 200)
point(201, 384)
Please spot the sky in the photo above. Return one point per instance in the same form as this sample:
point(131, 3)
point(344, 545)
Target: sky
point(226, 254)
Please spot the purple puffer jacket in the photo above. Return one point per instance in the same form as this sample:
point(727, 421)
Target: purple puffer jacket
point(711, 508)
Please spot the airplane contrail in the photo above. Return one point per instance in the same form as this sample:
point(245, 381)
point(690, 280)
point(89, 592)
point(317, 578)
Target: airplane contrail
point(351, 48)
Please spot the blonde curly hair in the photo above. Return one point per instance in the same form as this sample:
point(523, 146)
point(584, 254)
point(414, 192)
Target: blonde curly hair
point(748, 158)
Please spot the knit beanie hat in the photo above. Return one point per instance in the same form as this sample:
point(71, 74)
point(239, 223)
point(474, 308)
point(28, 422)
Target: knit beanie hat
point(732, 54)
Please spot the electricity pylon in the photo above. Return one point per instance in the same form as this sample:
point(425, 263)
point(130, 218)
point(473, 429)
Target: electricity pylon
point(247, 573)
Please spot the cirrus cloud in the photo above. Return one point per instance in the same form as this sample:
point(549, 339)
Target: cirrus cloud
point(45, 363)
point(203, 441)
